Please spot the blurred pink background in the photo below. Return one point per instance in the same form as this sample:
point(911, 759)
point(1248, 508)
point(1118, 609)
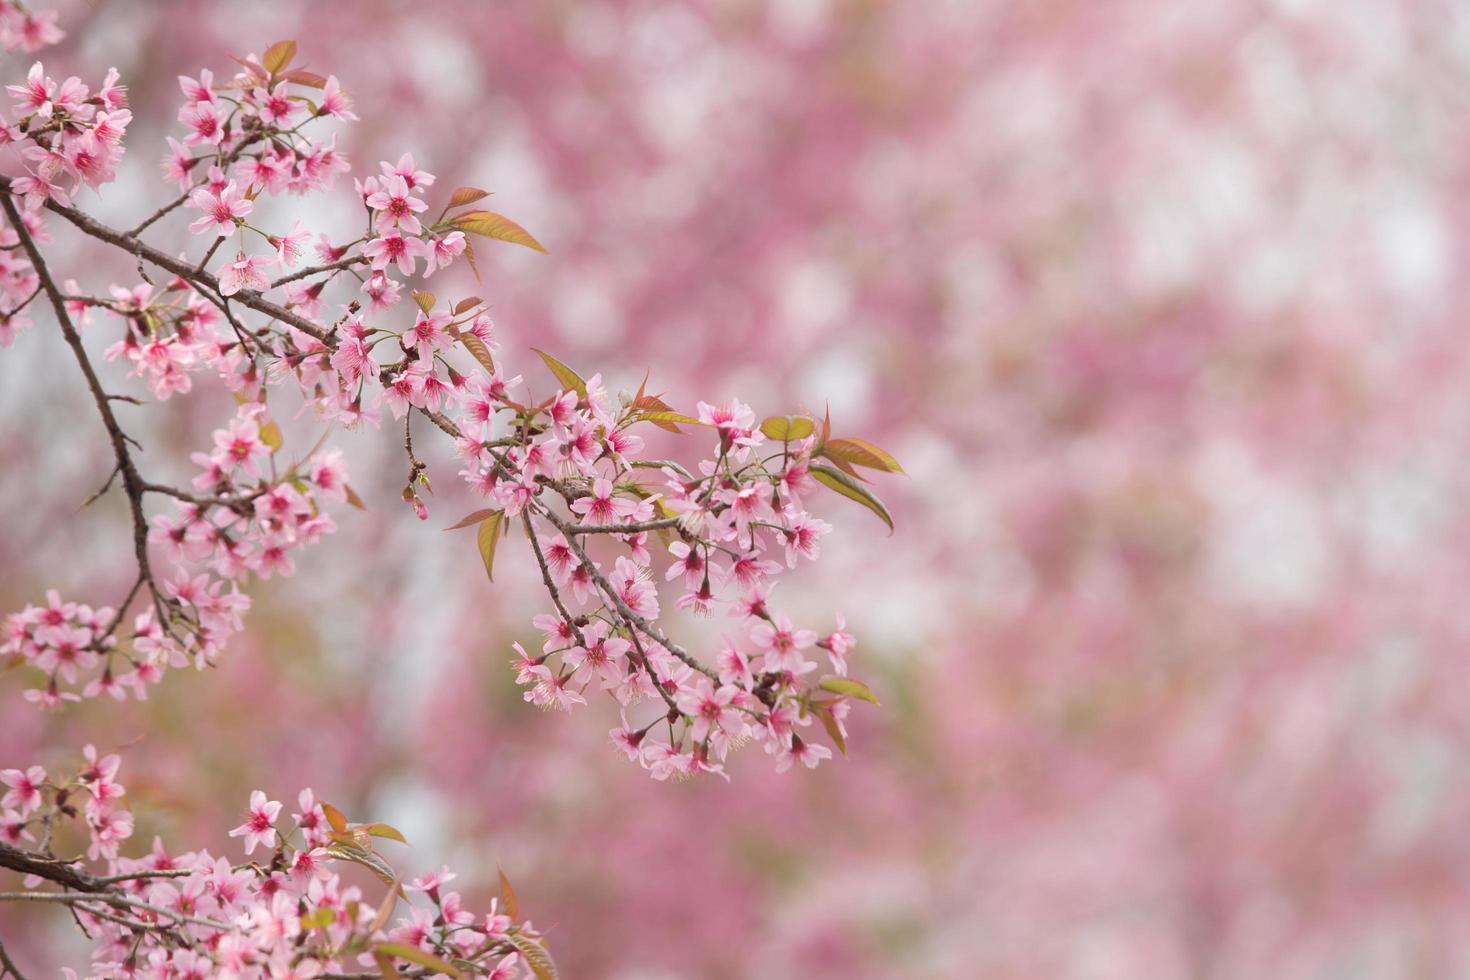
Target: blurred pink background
point(1156, 302)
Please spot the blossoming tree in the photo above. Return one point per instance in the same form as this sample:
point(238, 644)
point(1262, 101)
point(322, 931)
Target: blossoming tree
point(623, 543)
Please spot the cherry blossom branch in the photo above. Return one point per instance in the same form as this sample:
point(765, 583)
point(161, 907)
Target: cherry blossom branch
point(7, 965)
point(52, 869)
point(143, 251)
point(132, 481)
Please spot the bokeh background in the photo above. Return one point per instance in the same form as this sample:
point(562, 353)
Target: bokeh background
point(1162, 305)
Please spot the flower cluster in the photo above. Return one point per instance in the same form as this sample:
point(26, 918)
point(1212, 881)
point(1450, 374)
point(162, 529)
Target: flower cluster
point(66, 136)
point(573, 462)
point(71, 136)
point(24, 30)
point(609, 527)
point(246, 519)
point(284, 912)
point(250, 130)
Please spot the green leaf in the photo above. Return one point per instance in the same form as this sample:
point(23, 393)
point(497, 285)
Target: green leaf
point(278, 56)
point(488, 224)
point(848, 687)
point(852, 489)
point(860, 452)
point(413, 954)
point(787, 428)
point(466, 195)
point(488, 536)
point(570, 380)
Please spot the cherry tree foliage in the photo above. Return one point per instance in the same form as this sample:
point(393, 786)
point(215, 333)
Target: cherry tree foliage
point(625, 544)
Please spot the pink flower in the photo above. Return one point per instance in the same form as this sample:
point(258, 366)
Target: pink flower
point(442, 251)
point(334, 101)
point(177, 163)
point(35, 95)
point(258, 827)
point(807, 753)
point(239, 447)
point(431, 883)
point(199, 89)
point(35, 30)
point(428, 334)
point(25, 788)
point(276, 106)
point(710, 707)
point(394, 202)
point(632, 586)
point(405, 168)
point(601, 506)
point(782, 642)
point(290, 247)
point(223, 210)
point(838, 644)
point(394, 248)
point(243, 273)
point(204, 123)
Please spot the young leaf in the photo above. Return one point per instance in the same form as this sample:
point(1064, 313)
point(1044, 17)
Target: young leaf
point(481, 352)
point(335, 818)
point(848, 687)
point(354, 499)
point(385, 830)
point(469, 256)
point(852, 489)
point(253, 67)
point(468, 303)
point(787, 428)
point(508, 896)
point(570, 380)
point(424, 300)
point(319, 918)
point(466, 195)
point(491, 225)
point(658, 464)
point(413, 954)
point(278, 56)
point(308, 78)
point(860, 452)
point(385, 966)
point(668, 421)
point(474, 517)
point(488, 537)
point(834, 732)
point(535, 955)
point(270, 434)
point(369, 860)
